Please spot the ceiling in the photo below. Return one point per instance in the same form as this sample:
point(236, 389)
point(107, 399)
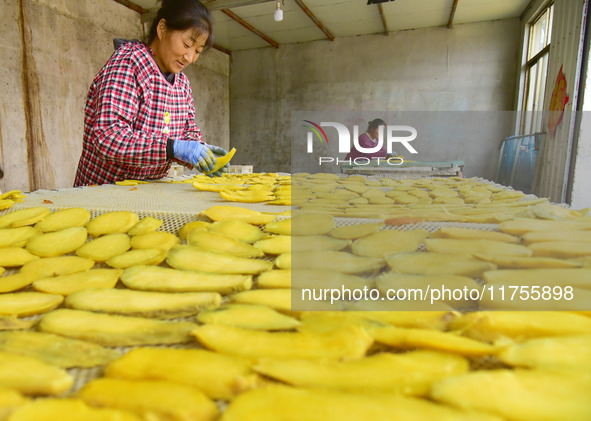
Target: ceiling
point(246, 24)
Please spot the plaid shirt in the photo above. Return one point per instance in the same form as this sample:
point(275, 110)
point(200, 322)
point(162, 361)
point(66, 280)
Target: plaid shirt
point(131, 112)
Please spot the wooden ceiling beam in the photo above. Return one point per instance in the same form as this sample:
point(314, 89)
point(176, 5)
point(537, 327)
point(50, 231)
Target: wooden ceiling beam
point(227, 4)
point(314, 19)
point(383, 17)
point(211, 6)
point(452, 14)
point(132, 6)
point(248, 26)
point(149, 16)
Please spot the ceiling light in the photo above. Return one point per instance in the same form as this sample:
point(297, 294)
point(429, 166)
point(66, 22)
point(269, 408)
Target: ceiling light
point(278, 16)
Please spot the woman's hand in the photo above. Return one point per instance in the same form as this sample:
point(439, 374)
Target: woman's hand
point(195, 153)
point(219, 152)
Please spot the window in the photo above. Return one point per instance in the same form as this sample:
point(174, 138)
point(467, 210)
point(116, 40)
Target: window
point(538, 37)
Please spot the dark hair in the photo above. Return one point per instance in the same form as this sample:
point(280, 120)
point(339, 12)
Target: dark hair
point(183, 14)
point(374, 124)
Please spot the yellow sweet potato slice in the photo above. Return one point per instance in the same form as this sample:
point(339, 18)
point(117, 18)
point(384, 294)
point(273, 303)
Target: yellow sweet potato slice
point(32, 376)
point(387, 242)
point(311, 224)
point(411, 373)
point(283, 261)
point(352, 232)
point(222, 161)
point(161, 305)
point(17, 237)
point(57, 243)
point(10, 399)
point(518, 394)
point(238, 230)
point(28, 303)
point(513, 262)
point(105, 247)
point(405, 338)
point(275, 245)
point(193, 258)
point(112, 222)
point(570, 236)
point(489, 326)
point(15, 282)
point(561, 249)
point(145, 225)
point(218, 376)
point(470, 247)
point(69, 410)
point(558, 353)
point(281, 227)
point(67, 218)
point(277, 278)
point(56, 350)
point(207, 240)
point(69, 284)
point(155, 240)
point(437, 263)
point(576, 278)
point(23, 217)
point(347, 344)
point(317, 242)
point(155, 278)
point(160, 399)
point(137, 257)
point(111, 330)
point(335, 261)
point(404, 315)
point(53, 266)
point(15, 256)
point(222, 213)
point(330, 321)
point(248, 316)
point(283, 403)
point(13, 323)
point(523, 226)
point(474, 234)
point(6, 203)
point(189, 226)
point(277, 298)
point(246, 196)
point(320, 279)
point(428, 288)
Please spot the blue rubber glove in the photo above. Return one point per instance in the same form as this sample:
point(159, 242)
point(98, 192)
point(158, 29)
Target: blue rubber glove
point(194, 153)
point(218, 152)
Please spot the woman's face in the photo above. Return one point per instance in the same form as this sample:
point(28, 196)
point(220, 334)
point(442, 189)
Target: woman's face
point(177, 49)
point(374, 132)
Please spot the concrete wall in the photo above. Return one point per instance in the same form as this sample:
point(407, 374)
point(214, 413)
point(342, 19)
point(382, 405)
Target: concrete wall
point(53, 49)
point(210, 81)
point(471, 67)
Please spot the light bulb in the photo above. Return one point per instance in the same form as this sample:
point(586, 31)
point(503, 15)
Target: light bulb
point(278, 15)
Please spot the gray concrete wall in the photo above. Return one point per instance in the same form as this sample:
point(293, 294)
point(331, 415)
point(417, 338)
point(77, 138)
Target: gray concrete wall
point(210, 81)
point(471, 67)
point(53, 50)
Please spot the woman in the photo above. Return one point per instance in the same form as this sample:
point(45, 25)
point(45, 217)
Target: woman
point(139, 112)
point(369, 139)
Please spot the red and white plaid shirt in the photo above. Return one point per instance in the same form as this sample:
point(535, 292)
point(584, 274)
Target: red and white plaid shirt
point(131, 112)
